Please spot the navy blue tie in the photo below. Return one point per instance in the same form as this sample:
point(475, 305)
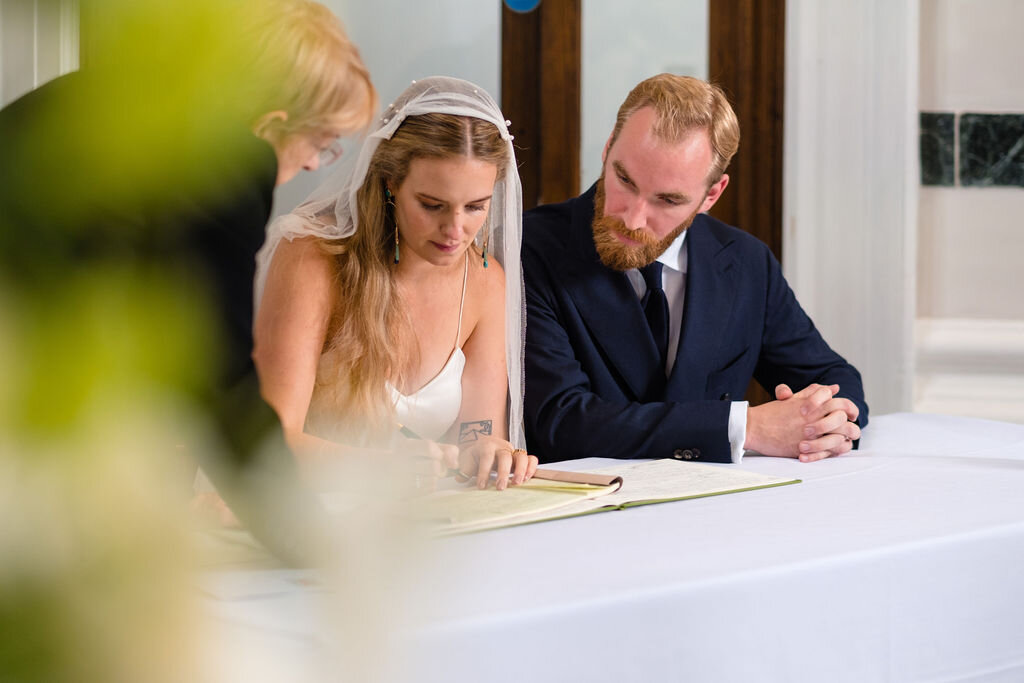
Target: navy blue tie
point(656, 308)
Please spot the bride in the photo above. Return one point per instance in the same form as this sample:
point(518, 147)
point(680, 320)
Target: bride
point(389, 304)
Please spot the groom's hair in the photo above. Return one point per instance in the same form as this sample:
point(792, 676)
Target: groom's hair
point(683, 104)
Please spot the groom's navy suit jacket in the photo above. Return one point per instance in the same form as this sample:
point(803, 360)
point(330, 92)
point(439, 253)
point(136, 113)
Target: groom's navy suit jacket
point(594, 382)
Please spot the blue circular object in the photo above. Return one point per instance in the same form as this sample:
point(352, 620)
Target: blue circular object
point(522, 5)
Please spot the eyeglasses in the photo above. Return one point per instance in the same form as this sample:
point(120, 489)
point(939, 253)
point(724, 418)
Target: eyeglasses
point(331, 153)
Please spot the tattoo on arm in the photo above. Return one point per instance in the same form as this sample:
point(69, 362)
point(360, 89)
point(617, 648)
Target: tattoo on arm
point(471, 431)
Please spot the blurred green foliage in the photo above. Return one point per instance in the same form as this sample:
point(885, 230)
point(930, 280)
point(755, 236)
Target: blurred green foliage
point(106, 343)
point(110, 330)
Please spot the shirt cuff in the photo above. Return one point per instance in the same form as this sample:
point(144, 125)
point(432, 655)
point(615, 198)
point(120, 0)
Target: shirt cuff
point(737, 429)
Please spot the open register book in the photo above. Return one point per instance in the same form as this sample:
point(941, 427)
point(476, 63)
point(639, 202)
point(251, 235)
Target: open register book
point(554, 494)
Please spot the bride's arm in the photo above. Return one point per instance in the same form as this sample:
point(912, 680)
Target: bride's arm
point(289, 333)
point(485, 389)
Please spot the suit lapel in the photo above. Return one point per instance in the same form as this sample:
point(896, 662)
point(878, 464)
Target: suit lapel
point(710, 294)
point(610, 309)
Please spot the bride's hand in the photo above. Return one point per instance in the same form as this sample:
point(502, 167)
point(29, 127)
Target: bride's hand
point(443, 456)
point(480, 457)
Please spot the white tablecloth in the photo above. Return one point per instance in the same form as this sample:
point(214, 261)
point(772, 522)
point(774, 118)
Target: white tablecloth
point(901, 562)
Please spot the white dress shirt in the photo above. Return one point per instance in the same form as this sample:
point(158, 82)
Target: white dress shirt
point(673, 279)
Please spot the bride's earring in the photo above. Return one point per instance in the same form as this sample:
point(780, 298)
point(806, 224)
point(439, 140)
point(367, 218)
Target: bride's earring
point(487, 237)
point(389, 200)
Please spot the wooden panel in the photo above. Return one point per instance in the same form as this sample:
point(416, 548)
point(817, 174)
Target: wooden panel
point(746, 50)
point(520, 66)
point(560, 92)
point(540, 94)
point(746, 58)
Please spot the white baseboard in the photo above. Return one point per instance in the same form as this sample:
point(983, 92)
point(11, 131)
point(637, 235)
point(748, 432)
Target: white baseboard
point(970, 367)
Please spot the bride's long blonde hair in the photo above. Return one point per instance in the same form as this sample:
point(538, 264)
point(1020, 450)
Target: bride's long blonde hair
point(372, 340)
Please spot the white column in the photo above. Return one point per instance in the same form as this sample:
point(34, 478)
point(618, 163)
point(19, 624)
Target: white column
point(38, 42)
point(851, 182)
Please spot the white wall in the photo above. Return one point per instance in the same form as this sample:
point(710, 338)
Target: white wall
point(971, 253)
point(401, 41)
point(624, 43)
point(972, 55)
point(970, 335)
point(971, 238)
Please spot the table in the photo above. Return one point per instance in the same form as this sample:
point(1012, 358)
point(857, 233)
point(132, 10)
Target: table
point(903, 561)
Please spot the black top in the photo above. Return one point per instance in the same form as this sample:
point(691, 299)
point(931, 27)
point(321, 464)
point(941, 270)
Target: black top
point(84, 189)
point(67, 206)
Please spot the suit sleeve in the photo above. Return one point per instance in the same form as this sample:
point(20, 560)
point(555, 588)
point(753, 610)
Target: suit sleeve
point(567, 420)
point(793, 352)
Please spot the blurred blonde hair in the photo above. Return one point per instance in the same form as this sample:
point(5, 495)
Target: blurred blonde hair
point(683, 104)
point(373, 340)
point(312, 70)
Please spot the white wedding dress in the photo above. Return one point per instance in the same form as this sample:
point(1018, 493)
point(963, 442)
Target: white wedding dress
point(431, 410)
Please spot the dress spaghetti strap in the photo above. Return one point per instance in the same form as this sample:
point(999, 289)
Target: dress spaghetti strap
point(462, 304)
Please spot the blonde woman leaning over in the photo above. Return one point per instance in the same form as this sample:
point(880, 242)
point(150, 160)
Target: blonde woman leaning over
point(389, 304)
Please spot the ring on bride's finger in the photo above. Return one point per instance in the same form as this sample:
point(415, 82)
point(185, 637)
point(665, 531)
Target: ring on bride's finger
point(518, 451)
point(461, 476)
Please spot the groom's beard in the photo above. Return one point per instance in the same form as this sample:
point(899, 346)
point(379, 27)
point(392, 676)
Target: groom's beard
point(619, 256)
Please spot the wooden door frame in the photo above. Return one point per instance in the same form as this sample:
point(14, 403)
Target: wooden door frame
point(746, 57)
point(540, 93)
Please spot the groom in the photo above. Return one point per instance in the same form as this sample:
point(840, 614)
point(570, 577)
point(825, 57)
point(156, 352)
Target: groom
point(647, 317)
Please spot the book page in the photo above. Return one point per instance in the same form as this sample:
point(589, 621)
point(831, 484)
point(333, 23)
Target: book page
point(673, 480)
point(652, 481)
point(469, 508)
point(461, 508)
